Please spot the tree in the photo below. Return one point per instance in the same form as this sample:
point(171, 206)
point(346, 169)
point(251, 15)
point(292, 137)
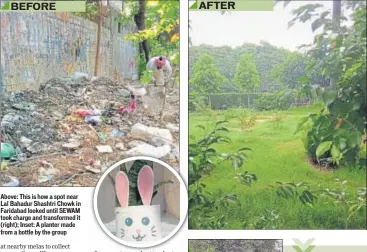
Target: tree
point(288, 72)
point(139, 19)
point(335, 134)
point(206, 77)
point(246, 76)
point(158, 33)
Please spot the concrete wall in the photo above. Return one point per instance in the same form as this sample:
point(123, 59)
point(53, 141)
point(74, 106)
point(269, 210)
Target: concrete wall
point(38, 46)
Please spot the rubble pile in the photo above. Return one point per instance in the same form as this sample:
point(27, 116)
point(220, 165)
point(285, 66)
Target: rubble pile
point(70, 131)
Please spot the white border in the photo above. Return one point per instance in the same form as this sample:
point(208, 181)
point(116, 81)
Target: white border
point(183, 202)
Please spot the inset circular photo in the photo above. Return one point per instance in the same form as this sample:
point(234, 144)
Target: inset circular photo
point(140, 202)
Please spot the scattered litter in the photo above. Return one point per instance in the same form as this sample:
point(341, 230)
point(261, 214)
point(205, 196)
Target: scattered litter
point(176, 152)
point(92, 120)
point(116, 133)
point(92, 169)
point(7, 150)
point(120, 146)
point(24, 106)
point(9, 120)
point(131, 108)
point(104, 148)
point(137, 91)
point(48, 171)
point(4, 165)
point(134, 143)
point(25, 142)
point(47, 165)
point(173, 128)
point(43, 179)
point(149, 151)
point(78, 75)
point(14, 182)
point(73, 145)
point(84, 113)
point(142, 132)
point(37, 148)
point(94, 78)
point(38, 124)
point(157, 141)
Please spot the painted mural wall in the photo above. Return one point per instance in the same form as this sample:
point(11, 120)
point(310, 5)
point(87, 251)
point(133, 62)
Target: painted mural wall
point(38, 46)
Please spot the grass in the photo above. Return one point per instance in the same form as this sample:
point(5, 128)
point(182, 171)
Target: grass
point(278, 155)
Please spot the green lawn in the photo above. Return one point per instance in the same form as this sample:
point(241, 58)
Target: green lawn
point(278, 155)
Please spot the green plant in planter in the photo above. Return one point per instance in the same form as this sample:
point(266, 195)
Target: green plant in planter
point(132, 174)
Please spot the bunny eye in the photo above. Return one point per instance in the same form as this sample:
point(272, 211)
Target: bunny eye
point(145, 221)
point(128, 221)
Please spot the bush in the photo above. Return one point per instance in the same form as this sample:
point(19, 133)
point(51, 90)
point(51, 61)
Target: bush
point(197, 102)
point(282, 100)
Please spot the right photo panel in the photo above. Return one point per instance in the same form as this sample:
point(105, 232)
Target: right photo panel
point(277, 115)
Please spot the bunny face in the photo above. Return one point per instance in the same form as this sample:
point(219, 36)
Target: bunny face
point(137, 223)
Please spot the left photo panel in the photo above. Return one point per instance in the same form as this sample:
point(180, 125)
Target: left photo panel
point(89, 112)
point(85, 86)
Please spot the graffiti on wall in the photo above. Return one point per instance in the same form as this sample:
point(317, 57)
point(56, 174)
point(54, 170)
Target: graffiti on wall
point(57, 46)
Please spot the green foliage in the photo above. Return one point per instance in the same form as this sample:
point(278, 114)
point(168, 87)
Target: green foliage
point(91, 10)
point(266, 57)
point(246, 178)
point(267, 220)
point(161, 29)
point(203, 158)
point(336, 133)
point(300, 190)
point(289, 71)
point(246, 76)
point(281, 100)
point(247, 121)
point(206, 76)
point(355, 203)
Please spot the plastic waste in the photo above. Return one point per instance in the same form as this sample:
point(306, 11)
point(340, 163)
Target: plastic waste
point(92, 120)
point(7, 150)
point(14, 182)
point(78, 75)
point(142, 132)
point(116, 133)
point(149, 151)
point(84, 113)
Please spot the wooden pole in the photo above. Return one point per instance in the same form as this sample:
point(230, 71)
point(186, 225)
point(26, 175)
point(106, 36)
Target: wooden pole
point(99, 19)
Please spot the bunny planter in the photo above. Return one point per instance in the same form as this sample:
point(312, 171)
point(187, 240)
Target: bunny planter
point(137, 224)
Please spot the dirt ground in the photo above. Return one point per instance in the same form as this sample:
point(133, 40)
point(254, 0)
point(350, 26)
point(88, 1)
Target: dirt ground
point(55, 146)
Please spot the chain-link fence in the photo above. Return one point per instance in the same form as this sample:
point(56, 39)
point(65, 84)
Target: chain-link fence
point(259, 101)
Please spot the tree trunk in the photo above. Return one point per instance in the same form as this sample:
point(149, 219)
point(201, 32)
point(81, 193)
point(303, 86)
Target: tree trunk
point(96, 66)
point(140, 23)
point(336, 29)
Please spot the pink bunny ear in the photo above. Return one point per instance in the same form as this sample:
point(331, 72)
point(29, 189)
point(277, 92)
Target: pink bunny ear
point(145, 184)
point(122, 188)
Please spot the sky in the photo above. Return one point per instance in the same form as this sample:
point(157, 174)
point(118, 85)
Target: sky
point(236, 28)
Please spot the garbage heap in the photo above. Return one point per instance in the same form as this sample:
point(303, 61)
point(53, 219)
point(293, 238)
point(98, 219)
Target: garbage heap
point(72, 129)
